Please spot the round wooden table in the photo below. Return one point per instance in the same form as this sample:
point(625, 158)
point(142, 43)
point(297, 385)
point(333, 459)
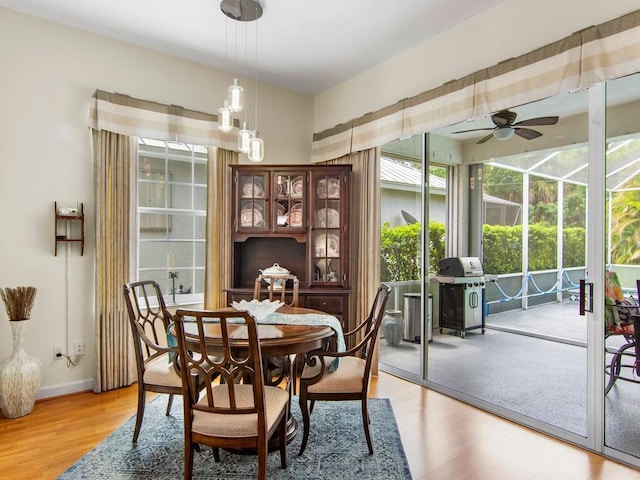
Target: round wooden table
point(276, 340)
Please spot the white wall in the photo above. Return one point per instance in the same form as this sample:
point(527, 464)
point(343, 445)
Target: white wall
point(510, 29)
point(48, 74)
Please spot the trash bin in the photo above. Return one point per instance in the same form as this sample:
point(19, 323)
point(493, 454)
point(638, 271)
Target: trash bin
point(413, 318)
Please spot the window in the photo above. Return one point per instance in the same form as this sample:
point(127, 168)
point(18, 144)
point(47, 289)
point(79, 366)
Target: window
point(171, 217)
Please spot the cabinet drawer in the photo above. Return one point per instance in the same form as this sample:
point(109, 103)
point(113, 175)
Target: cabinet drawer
point(329, 304)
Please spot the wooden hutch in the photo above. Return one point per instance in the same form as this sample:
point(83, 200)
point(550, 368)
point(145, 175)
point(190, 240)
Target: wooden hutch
point(298, 217)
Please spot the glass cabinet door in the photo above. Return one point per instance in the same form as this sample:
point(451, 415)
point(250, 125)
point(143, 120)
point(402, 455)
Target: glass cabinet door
point(290, 197)
point(252, 202)
point(326, 240)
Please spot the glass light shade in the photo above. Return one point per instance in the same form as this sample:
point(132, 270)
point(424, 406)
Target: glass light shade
point(236, 96)
point(225, 122)
point(504, 133)
point(244, 136)
point(256, 148)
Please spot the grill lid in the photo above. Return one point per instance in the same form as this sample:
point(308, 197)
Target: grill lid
point(460, 267)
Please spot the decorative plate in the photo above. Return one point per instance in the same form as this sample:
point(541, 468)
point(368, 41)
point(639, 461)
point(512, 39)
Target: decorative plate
point(327, 245)
point(297, 188)
point(328, 188)
point(327, 218)
point(251, 217)
point(252, 188)
point(295, 215)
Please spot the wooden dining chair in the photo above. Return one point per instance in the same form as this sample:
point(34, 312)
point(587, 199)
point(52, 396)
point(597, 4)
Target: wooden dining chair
point(236, 410)
point(350, 381)
point(149, 321)
point(282, 286)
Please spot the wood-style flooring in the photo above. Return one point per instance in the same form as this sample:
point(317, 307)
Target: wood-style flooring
point(443, 439)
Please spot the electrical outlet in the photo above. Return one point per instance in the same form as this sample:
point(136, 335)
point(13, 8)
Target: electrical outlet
point(78, 349)
point(57, 352)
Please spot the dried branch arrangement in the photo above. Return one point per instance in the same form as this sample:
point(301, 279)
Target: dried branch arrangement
point(18, 302)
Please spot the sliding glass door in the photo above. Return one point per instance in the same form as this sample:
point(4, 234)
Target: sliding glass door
point(622, 263)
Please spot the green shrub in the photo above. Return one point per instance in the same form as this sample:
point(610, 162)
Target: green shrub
point(400, 253)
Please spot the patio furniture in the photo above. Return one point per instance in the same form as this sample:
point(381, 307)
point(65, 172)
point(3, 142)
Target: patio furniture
point(622, 320)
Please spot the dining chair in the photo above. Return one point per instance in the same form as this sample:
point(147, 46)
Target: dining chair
point(285, 287)
point(278, 286)
point(149, 320)
point(350, 380)
point(235, 410)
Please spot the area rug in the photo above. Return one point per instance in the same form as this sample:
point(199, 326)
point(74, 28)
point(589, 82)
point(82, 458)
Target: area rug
point(336, 449)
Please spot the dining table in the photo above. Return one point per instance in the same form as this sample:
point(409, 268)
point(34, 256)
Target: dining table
point(287, 331)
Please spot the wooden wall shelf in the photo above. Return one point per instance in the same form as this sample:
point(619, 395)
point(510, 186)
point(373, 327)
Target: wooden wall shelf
point(64, 230)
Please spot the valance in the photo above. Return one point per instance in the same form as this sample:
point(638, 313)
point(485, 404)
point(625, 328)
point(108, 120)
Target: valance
point(126, 115)
point(604, 52)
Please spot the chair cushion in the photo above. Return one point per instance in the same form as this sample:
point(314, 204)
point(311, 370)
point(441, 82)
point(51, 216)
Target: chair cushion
point(347, 378)
point(240, 425)
point(160, 371)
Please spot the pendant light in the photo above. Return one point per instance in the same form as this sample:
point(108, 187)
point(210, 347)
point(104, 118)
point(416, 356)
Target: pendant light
point(225, 121)
point(256, 144)
point(236, 96)
point(244, 136)
point(248, 140)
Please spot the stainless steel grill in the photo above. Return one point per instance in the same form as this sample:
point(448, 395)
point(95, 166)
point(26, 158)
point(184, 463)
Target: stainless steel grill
point(461, 294)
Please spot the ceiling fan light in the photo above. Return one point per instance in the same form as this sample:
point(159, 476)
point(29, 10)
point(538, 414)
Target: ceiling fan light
point(236, 96)
point(225, 122)
point(503, 133)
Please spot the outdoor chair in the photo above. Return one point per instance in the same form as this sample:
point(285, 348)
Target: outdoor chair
point(321, 380)
point(622, 320)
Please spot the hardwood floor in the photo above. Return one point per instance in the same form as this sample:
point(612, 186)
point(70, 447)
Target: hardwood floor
point(443, 438)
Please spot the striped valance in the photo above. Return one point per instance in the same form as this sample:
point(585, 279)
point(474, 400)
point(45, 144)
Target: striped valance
point(604, 52)
point(125, 115)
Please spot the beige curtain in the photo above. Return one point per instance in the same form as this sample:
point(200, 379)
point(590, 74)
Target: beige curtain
point(364, 240)
point(219, 213)
point(114, 163)
point(595, 54)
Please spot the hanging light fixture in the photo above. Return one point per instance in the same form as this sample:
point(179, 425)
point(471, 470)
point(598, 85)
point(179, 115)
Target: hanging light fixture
point(248, 140)
point(225, 120)
point(236, 96)
point(256, 144)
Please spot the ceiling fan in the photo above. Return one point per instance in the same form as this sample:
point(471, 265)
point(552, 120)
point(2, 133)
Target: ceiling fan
point(505, 128)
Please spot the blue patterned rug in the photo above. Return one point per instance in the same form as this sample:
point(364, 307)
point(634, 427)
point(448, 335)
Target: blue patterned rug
point(336, 449)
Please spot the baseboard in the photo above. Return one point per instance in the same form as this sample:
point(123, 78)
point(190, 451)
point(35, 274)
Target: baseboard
point(64, 389)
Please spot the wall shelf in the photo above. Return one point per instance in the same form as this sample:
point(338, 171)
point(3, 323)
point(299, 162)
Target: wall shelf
point(64, 230)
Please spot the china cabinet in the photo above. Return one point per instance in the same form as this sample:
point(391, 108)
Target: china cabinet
point(298, 217)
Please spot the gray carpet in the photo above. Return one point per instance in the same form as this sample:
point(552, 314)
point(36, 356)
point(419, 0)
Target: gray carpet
point(336, 449)
point(538, 378)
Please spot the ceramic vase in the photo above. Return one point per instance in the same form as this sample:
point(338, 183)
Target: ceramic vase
point(393, 327)
point(19, 376)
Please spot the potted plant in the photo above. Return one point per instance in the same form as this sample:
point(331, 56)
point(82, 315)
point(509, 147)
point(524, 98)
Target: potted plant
point(20, 373)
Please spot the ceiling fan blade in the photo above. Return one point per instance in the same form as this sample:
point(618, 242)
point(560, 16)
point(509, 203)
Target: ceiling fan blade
point(537, 121)
point(475, 130)
point(484, 139)
point(527, 133)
